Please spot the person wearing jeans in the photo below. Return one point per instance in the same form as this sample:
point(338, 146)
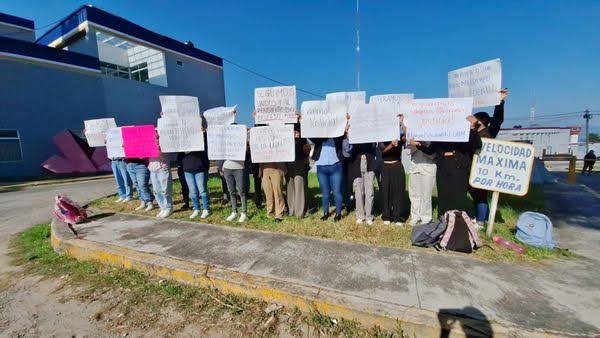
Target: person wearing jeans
point(123, 180)
point(361, 170)
point(328, 158)
point(162, 184)
point(140, 175)
point(195, 166)
point(234, 173)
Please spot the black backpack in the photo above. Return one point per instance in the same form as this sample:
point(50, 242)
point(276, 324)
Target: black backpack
point(461, 233)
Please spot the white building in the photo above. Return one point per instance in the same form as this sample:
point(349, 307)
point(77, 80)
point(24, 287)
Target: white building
point(549, 140)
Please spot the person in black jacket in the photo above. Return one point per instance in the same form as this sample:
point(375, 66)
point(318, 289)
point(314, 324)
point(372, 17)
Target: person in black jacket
point(328, 158)
point(453, 165)
point(489, 127)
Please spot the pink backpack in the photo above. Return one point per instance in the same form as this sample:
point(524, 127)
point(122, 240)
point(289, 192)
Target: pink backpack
point(68, 211)
point(461, 233)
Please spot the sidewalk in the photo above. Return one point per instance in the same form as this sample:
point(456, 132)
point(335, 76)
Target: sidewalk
point(560, 297)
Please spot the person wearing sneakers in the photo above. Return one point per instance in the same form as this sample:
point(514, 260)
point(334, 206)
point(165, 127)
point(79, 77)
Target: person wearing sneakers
point(162, 183)
point(393, 183)
point(195, 167)
point(234, 173)
point(123, 180)
point(140, 175)
point(361, 172)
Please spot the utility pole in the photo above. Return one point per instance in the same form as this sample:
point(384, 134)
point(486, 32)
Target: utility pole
point(587, 116)
point(357, 46)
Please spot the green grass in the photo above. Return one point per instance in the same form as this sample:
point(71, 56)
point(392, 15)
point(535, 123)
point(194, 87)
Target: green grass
point(509, 209)
point(142, 297)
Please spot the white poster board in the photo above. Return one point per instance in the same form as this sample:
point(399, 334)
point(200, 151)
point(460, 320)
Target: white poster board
point(227, 142)
point(503, 166)
point(401, 100)
point(179, 106)
point(114, 143)
point(95, 131)
point(220, 116)
point(482, 82)
point(272, 143)
point(373, 123)
point(180, 134)
point(442, 120)
point(275, 105)
point(347, 97)
point(322, 119)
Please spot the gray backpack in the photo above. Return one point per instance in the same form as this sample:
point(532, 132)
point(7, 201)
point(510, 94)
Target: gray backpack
point(428, 234)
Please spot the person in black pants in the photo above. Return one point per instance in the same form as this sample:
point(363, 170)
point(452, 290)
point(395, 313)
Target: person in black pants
point(453, 165)
point(393, 183)
point(185, 191)
point(489, 127)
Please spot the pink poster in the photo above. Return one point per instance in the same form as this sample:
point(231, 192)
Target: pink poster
point(140, 141)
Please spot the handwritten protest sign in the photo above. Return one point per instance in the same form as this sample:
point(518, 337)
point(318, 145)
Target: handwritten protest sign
point(401, 100)
point(502, 167)
point(482, 82)
point(114, 143)
point(443, 120)
point(373, 123)
point(179, 106)
point(179, 134)
point(95, 131)
point(220, 116)
point(140, 141)
point(274, 105)
point(322, 119)
point(227, 142)
point(346, 97)
point(272, 144)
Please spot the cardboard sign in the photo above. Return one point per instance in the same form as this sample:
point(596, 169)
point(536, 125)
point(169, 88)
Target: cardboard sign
point(275, 105)
point(401, 100)
point(180, 134)
point(220, 116)
point(227, 142)
point(140, 141)
point(503, 166)
point(179, 106)
point(272, 144)
point(114, 143)
point(482, 82)
point(373, 123)
point(443, 120)
point(347, 97)
point(322, 119)
point(95, 131)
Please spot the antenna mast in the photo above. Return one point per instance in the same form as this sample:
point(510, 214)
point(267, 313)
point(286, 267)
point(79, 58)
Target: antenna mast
point(532, 109)
point(357, 46)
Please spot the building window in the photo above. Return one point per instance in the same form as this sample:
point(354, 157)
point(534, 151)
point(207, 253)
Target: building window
point(139, 72)
point(180, 63)
point(10, 146)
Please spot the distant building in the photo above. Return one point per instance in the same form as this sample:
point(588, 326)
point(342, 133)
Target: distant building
point(551, 140)
point(92, 64)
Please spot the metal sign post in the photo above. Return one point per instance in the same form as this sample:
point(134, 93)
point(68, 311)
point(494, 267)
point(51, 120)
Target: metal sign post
point(493, 209)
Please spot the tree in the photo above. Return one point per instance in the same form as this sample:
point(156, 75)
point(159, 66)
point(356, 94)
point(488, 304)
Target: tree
point(594, 137)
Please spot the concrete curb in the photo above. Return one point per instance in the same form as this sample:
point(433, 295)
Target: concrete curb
point(54, 182)
point(413, 322)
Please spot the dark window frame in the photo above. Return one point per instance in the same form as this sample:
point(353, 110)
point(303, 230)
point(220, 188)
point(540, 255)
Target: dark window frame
point(12, 138)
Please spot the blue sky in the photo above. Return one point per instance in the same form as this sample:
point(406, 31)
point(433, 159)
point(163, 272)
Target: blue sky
point(552, 47)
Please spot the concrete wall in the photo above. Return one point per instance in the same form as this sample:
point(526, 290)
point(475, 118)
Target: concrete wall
point(41, 101)
point(14, 32)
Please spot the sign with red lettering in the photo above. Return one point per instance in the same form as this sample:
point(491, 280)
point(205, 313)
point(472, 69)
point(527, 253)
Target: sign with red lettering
point(273, 105)
point(442, 120)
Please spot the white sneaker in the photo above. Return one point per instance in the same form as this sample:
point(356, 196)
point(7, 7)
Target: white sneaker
point(370, 222)
point(149, 206)
point(359, 221)
point(166, 213)
point(141, 206)
point(400, 224)
point(160, 214)
point(195, 214)
point(386, 222)
point(126, 199)
point(119, 200)
point(243, 218)
point(205, 213)
point(231, 217)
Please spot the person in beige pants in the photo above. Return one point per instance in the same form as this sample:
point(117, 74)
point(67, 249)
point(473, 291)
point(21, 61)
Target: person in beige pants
point(421, 180)
point(272, 175)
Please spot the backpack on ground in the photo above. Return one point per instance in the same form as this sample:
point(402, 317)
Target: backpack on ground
point(535, 229)
point(461, 232)
point(68, 211)
point(428, 234)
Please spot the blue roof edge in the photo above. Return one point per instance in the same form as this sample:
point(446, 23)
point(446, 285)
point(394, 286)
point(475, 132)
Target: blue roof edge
point(17, 21)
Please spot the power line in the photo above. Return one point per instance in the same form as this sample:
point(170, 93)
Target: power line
point(271, 79)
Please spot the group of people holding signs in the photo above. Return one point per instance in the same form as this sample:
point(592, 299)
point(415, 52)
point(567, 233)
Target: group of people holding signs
point(352, 143)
